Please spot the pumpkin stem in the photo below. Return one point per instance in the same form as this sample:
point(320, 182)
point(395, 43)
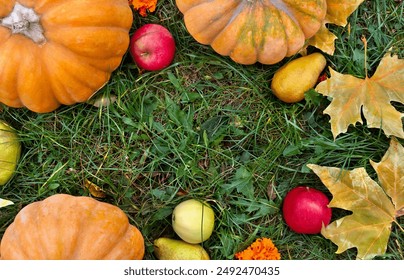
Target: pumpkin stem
point(23, 20)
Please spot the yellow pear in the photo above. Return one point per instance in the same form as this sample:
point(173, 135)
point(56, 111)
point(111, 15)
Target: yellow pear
point(293, 79)
point(10, 150)
point(172, 249)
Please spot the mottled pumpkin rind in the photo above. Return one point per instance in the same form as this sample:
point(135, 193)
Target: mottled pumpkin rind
point(264, 31)
point(66, 227)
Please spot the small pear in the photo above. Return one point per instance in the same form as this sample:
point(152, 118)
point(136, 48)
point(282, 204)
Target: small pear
point(172, 249)
point(293, 79)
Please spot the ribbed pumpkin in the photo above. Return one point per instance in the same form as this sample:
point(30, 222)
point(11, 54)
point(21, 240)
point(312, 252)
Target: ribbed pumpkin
point(253, 30)
point(65, 227)
point(55, 52)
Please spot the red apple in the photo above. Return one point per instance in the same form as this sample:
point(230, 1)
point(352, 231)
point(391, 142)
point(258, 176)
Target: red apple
point(152, 47)
point(305, 210)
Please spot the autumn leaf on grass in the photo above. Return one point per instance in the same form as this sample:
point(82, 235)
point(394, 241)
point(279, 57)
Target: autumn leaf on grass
point(371, 96)
point(5, 202)
point(337, 13)
point(374, 207)
point(94, 190)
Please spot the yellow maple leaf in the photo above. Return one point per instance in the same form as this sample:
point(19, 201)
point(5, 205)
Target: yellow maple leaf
point(374, 207)
point(371, 96)
point(337, 13)
point(95, 190)
point(5, 202)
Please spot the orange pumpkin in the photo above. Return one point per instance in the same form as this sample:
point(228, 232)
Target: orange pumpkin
point(55, 52)
point(64, 227)
point(253, 30)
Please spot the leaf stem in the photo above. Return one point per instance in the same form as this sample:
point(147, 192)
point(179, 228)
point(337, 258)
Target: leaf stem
point(365, 43)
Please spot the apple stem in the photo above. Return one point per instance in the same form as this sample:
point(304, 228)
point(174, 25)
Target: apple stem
point(25, 21)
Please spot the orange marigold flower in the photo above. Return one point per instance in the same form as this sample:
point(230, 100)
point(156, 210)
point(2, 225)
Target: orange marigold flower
point(143, 5)
point(260, 249)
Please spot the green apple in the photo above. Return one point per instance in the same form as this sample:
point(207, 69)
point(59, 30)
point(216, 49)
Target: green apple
point(10, 148)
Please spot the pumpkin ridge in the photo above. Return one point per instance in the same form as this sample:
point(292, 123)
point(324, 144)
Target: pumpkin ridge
point(212, 21)
point(40, 229)
point(58, 88)
point(27, 221)
point(236, 11)
point(78, 85)
point(247, 33)
point(99, 214)
point(11, 235)
point(250, 31)
point(264, 43)
point(8, 74)
point(83, 209)
point(136, 239)
point(265, 26)
point(47, 235)
point(82, 238)
point(225, 44)
point(73, 243)
point(6, 6)
point(118, 238)
point(283, 6)
point(31, 81)
point(98, 16)
point(86, 45)
point(311, 14)
point(117, 243)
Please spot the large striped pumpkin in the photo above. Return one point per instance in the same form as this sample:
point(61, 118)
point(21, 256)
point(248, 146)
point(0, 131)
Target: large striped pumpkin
point(253, 30)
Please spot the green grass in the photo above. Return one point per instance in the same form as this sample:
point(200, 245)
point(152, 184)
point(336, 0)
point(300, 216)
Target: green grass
point(208, 128)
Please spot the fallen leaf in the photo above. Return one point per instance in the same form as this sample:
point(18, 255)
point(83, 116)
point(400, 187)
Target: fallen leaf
point(374, 206)
point(102, 101)
point(390, 173)
point(4, 202)
point(271, 190)
point(94, 190)
point(337, 13)
point(323, 40)
point(352, 96)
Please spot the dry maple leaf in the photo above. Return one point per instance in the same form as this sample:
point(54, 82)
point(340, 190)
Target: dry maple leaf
point(371, 96)
point(337, 13)
point(94, 190)
point(5, 202)
point(374, 207)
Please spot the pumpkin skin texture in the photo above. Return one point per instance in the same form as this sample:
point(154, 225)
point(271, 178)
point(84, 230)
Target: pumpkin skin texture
point(251, 31)
point(66, 227)
point(63, 53)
